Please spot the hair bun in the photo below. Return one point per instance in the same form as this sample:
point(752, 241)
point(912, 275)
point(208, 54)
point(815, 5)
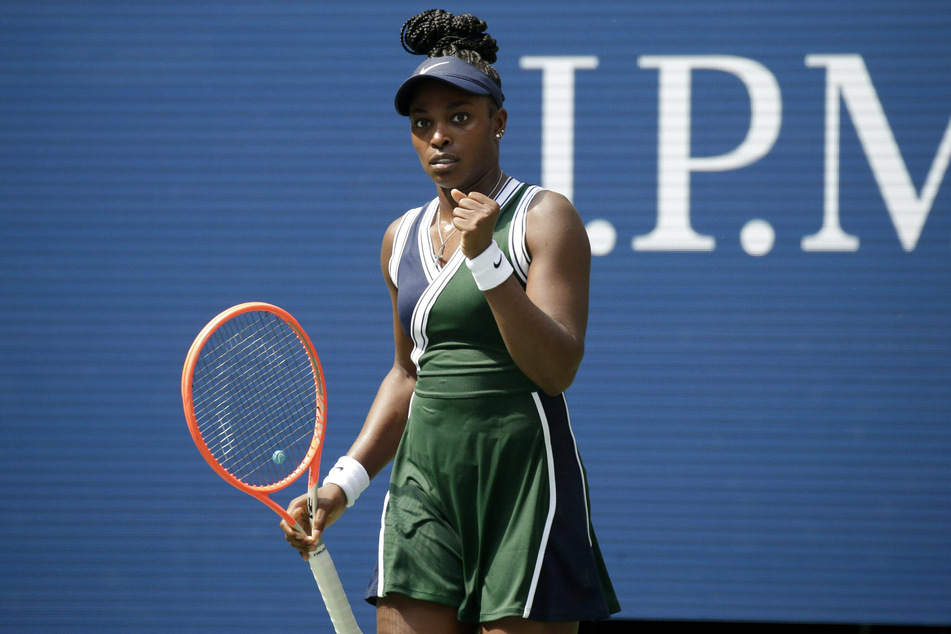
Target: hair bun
point(438, 33)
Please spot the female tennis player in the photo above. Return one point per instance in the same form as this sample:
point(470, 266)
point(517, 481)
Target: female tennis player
point(486, 523)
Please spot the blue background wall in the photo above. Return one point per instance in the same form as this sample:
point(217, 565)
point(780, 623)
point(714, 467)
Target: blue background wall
point(767, 438)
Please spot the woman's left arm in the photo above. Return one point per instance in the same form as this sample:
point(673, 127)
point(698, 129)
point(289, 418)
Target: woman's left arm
point(544, 325)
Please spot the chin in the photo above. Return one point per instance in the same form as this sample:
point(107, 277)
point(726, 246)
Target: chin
point(446, 181)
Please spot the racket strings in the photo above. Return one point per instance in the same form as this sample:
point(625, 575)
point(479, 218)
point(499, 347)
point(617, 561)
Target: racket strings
point(246, 448)
point(255, 394)
point(272, 380)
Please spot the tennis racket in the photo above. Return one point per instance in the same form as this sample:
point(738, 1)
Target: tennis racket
point(253, 392)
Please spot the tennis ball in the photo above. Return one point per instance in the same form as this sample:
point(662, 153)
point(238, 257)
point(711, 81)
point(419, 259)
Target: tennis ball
point(278, 457)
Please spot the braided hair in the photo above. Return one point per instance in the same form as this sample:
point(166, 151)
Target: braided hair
point(438, 33)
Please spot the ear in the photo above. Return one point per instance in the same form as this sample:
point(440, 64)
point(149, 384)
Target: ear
point(500, 118)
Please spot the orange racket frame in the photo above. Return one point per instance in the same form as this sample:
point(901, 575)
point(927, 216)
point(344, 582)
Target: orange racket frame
point(321, 564)
point(312, 457)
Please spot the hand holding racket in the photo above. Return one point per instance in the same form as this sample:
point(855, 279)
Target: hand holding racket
point(310, 520)
point(253, 392)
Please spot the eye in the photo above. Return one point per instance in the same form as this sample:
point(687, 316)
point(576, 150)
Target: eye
point(420, 123)
point(460, 117)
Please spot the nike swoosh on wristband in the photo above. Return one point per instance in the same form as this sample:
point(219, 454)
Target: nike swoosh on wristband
point(429, 68)
point(499, 262)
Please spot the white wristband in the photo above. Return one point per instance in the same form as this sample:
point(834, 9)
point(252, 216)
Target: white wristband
point(489, 268)
point(349, 475)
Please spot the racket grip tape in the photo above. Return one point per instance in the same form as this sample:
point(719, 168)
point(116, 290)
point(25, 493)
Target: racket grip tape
point(331, 590)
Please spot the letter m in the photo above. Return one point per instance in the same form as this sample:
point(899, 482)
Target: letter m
point(848, 81)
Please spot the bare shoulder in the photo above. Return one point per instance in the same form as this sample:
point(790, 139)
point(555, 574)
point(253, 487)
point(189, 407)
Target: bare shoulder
point(553, 221)
point(391, 230)
point(548, 203)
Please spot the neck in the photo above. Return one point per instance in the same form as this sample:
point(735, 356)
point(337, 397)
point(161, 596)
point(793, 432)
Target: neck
point(489, 184)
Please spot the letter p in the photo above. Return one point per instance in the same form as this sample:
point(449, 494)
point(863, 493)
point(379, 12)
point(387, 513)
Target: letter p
point(673, 231)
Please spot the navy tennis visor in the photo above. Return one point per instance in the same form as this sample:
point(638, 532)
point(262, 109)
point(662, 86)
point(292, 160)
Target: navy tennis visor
point(451, 70)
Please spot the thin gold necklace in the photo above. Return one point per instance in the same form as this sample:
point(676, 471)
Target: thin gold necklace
point(444, 240)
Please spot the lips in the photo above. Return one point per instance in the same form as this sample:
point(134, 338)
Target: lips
point(443, 161)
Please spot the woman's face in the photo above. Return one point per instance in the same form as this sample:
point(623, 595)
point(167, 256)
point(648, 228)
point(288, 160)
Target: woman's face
point(454, 133)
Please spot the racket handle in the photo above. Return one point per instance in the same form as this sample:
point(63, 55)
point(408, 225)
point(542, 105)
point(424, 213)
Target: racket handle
point(328, 582)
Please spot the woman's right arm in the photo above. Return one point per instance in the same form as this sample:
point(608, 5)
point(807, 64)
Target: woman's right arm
point(382, 430)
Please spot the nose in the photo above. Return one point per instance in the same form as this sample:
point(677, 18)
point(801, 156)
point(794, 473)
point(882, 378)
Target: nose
point(440, 138)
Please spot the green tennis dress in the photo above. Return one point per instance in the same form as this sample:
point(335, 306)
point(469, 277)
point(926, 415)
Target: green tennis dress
point(487, 508)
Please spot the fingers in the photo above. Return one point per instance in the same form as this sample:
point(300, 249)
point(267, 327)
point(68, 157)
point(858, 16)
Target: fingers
point(474, 211)
point(303, 542)
point(331, 503)
point(473, 200)
point(458, 196)
point(474, 216)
